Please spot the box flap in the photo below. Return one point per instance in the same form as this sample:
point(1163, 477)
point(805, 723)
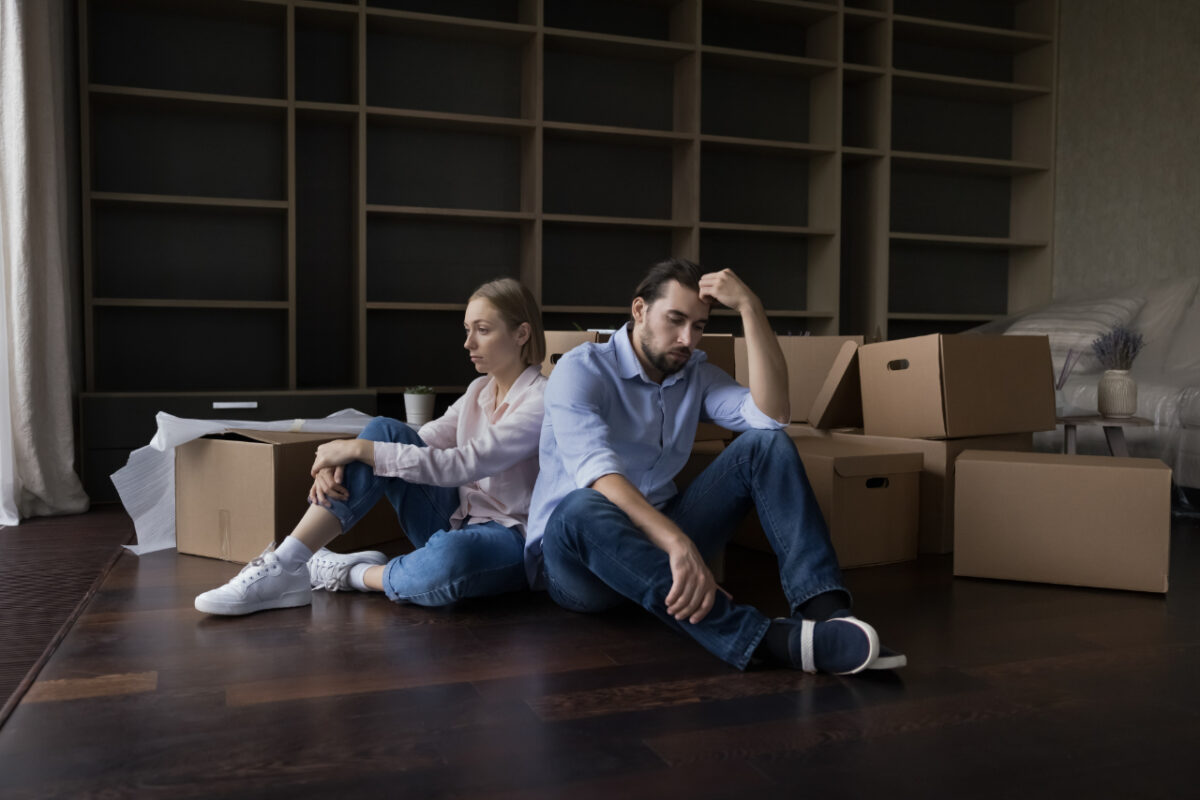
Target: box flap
point(277, 437)
point(809, 359)
point(839, 401)
point(991, 379)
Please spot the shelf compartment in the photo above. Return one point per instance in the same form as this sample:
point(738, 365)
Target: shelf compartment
point(598, 265)
point(753, 103)
point(795, 29)
point(926, 324)
point(610, 179)
point(1002, 15)
point(326, 237)
point(445, 70)
point(765, 187)
point(864, 107)
point(865, 40)
point(961, 35)
point(925, 278)
point(510, 11)
point(589, 88)
point(169, 46)
point(181, 252)
point(971, 242)
point(415, 260)
point(932, 203)
point(189, 348)
point(570, 318)
point(326, 56)
point(415, 165)
point(972, 54)
point(951, 127)
point(142, 146)
point(406, 347)
point(657, 20)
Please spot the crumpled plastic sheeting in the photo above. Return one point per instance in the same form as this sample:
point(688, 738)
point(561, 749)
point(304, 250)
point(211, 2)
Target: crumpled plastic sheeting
point(146, 484)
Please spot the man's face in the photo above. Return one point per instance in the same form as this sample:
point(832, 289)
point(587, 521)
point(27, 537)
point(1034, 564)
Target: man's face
point(666, 331)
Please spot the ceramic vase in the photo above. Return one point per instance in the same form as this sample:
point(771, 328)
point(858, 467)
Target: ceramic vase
point(1116, 394)
point(418, 408)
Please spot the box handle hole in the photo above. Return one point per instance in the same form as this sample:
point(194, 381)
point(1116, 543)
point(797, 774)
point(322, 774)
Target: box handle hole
point(897, 365)
point(877, 483)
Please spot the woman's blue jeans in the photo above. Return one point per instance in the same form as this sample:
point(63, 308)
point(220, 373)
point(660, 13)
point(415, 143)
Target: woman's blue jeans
point(447, 565)
point(594, 557)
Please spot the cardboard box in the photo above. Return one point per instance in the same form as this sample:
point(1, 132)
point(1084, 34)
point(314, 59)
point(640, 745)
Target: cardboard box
point(808, 358)
point(559, 342)
point(1077, 520)
point(869, 499)
point(937, 475)
point(237, 491)
point(942, 386)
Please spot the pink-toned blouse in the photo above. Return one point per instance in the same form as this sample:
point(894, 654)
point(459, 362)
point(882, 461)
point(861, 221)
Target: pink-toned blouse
point(490, 453)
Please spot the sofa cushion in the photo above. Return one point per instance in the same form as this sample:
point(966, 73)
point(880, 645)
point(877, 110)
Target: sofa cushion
point(1074, 325)
point(1184, 355)
point(1159, 319)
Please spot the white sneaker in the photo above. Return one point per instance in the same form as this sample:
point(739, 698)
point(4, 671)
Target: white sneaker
point(331, 571)
point(262, 584)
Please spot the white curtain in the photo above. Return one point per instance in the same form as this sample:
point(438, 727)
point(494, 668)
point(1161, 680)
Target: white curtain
point(37, 450)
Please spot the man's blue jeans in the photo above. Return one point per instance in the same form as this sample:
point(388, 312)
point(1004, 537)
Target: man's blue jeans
point(594, 556)
point(447, 565)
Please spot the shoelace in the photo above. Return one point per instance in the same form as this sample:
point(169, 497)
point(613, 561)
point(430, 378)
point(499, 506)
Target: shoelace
point(330, 574)
point(252, 571)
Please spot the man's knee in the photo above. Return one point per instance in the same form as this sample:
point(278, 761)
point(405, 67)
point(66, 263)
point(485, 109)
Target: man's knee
point(565, 521)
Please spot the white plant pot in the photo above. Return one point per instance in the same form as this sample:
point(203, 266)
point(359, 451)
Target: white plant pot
point(418, 408)
point(1116, 394)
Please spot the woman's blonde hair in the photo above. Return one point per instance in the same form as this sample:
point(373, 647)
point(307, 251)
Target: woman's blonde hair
point(515, 304)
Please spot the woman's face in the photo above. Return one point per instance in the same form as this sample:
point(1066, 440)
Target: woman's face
point(494, 348)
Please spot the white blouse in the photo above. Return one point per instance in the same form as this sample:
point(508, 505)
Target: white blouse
point(489, 453)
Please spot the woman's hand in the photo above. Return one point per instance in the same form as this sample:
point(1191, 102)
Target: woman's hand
point(327, 484)
point(340, 452)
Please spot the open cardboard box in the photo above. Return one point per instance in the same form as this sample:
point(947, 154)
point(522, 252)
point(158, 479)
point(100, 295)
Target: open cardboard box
point(809, 360)
point(1078, 520)
point(238, 491)
point(941, 386)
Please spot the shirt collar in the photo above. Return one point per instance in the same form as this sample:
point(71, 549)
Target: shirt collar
point(630, 367)
point(487, 395)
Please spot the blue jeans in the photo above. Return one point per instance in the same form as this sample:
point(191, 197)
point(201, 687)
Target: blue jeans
point(594, 557)
point(447, 565)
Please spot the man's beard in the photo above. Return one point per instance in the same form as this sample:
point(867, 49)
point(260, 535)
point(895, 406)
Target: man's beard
point(661, 360)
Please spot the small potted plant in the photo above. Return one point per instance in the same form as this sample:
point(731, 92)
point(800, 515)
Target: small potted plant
point(418, 404)
point(1116, 394)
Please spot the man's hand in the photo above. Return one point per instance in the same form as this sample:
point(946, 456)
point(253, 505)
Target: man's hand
point(693, 587)
point(327, 484)
point(728, 290)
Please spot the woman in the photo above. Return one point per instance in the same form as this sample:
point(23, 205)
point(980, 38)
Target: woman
point(460, 486)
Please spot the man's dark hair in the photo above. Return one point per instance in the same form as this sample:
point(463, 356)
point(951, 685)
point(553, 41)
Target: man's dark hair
point(686, 273)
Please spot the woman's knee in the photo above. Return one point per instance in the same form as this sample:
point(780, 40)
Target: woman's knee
point(386, 429)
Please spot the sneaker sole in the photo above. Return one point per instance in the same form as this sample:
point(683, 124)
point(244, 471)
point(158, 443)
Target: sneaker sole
point(288, 600)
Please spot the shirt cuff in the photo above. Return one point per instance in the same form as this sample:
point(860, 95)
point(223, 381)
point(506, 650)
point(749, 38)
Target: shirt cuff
point(391, 458)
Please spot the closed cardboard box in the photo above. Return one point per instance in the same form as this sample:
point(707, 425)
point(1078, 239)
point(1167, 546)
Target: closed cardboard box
point(942, 386)
point(808, 358)
point(238, 491)
point(869, 499)
point(937, 475)
point(1077, 520)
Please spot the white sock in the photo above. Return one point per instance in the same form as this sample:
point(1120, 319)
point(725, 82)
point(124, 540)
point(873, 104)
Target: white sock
point(357, 573)
point(292, 553)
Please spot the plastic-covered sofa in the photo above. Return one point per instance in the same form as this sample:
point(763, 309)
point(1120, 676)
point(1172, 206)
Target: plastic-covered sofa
point(1167, 371)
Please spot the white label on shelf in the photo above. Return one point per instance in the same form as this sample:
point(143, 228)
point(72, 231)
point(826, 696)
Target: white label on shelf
point(235, 404)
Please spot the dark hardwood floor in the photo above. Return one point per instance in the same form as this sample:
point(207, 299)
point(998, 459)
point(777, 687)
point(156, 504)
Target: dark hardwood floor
point(1012, 690)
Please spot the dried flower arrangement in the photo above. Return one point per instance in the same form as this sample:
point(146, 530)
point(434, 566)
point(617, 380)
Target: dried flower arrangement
point(1118, 348)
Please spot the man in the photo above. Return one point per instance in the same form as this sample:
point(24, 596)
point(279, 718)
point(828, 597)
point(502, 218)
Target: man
point(606, 522)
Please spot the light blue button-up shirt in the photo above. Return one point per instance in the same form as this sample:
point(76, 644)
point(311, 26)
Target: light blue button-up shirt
point(605, 416)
